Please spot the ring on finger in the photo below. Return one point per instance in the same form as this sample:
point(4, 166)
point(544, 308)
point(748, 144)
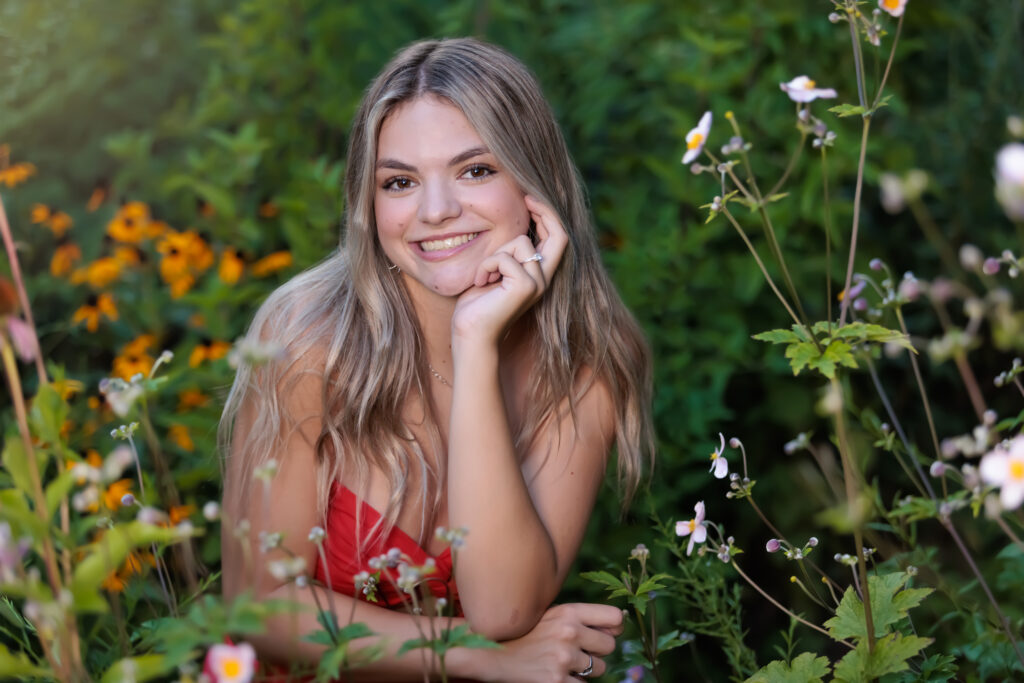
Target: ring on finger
point(590, 666)
point(536, 257)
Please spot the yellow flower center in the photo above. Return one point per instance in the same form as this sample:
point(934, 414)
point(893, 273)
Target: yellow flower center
point(891, 4)
point(1017, 470)
point(693, 525)
point(810, 85)
point(232, 667)
point(714, 455)
point(695, 141)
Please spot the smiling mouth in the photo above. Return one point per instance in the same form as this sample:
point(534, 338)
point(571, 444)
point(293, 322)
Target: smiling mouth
point(447, 243)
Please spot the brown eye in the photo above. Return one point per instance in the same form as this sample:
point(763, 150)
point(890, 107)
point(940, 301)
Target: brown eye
point(397, 184)
point(478, 172)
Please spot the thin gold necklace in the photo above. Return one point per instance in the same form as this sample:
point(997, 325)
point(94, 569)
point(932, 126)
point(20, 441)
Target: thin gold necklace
point(437, 374)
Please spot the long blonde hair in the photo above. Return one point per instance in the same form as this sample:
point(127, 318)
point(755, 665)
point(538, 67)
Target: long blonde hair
point(356, 315)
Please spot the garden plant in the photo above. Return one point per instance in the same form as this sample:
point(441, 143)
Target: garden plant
point(831, 287)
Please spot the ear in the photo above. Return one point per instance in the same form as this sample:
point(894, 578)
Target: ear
point(531, 232)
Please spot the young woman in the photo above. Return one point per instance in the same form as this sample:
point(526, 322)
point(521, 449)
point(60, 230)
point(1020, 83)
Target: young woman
point(461, 361)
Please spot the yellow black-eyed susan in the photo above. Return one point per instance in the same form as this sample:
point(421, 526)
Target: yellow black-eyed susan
point(272, 263)
point(231, 266)
point(64, 258)
point(208, 349)
point(98, 274)
point(95, 307)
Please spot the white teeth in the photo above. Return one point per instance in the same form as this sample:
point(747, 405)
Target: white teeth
point(450, 243)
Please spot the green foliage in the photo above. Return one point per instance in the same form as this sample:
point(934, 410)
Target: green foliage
point(831, 346)
point(805, 668)
point(890, 603)
point(890, 655)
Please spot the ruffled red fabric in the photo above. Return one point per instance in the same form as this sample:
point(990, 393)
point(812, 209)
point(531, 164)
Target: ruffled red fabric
point(345, 559)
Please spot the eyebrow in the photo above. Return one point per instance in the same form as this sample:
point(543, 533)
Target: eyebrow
point(454, 161)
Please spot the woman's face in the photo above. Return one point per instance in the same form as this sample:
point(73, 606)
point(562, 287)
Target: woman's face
point(443, 203)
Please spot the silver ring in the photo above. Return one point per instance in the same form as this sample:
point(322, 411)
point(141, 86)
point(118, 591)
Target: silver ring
point(536, 257)
point(590, 667)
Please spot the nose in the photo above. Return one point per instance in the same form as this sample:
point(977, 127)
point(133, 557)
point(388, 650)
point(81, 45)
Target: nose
point(438, 203)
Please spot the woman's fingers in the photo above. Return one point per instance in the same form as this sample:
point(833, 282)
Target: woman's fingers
point(551, 234)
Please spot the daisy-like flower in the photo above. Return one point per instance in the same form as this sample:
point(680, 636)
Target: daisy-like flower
point(1010, 180)
point(231, 266)
point(191, 398)
point(208, 349)
point(129, 223)
point(719, 465)
point(696, 138)
point(268, 265)
point(893, 7)
point(230, 663)
point(179, 434)
point(803, 89)
point(15, 174)
point(58, 223)
point(95, 308)
point(1004, 467)
point(694, 528)
point(64, 258)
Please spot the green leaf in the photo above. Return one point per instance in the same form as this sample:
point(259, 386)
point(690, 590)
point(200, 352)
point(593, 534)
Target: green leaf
point(889, 656)
point(800, 355)
point(355, 630)
point(805, 668)
point(842, 110)
point(16, 462)
point(58, 489)
point(888, 606)
point(603, 578)
point(48, 413)
point(777, 336)
point(18, 666)
point(107, 554)
point(140, 668)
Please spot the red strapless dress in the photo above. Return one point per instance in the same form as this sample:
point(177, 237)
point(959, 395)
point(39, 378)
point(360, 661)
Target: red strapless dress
point(345, 559)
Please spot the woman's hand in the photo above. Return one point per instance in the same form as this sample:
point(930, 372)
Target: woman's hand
point(559, 646)
point(510, 281)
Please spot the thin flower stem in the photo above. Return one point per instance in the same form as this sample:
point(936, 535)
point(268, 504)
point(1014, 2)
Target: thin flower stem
point(39, 498)
point(1008, 531)
point(328, 622)
point(828, 240)
point(856, 218)
point(327, 575)
point(903, 436)
point(858, 58)
point(19, 283)
point(920, 387)
point(778, 534)
point(1004, 622)
point(764, 271)
point(934, 235)
point(739, 184)
point(971, 382)
point(888, 64)
point(1020, 387)
point(775, 602)
point(852, 479)
point(790, 166)
point(814, 598)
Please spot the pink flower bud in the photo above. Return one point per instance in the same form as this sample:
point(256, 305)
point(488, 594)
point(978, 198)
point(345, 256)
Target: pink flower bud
point(990, 266)
point(772, 545)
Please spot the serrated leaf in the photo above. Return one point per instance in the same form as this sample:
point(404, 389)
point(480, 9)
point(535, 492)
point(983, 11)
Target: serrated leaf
point(843, 110)
point(777, 336)
point(355, 630)
point(889, 656)
point(800, 355)
point(805, 668)
point(888, 606)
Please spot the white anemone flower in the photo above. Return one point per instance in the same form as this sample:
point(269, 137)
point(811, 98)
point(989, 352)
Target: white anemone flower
point(893, 7)
point(1010, 180)
point(1004, 467)
point(719, 465)
point(694, 528)
point(696, 138)
point(803, 89)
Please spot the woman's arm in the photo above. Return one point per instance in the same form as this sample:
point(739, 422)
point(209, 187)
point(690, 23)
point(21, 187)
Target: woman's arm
point(526, 516)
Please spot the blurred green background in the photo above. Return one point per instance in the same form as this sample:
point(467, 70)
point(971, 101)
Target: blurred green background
point(208, 110)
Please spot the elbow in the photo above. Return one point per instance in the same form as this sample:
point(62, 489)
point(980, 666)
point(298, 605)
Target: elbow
point(502, 621)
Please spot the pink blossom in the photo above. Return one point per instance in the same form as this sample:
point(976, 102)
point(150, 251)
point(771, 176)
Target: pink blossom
point(719, 465)
point(803, 89)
